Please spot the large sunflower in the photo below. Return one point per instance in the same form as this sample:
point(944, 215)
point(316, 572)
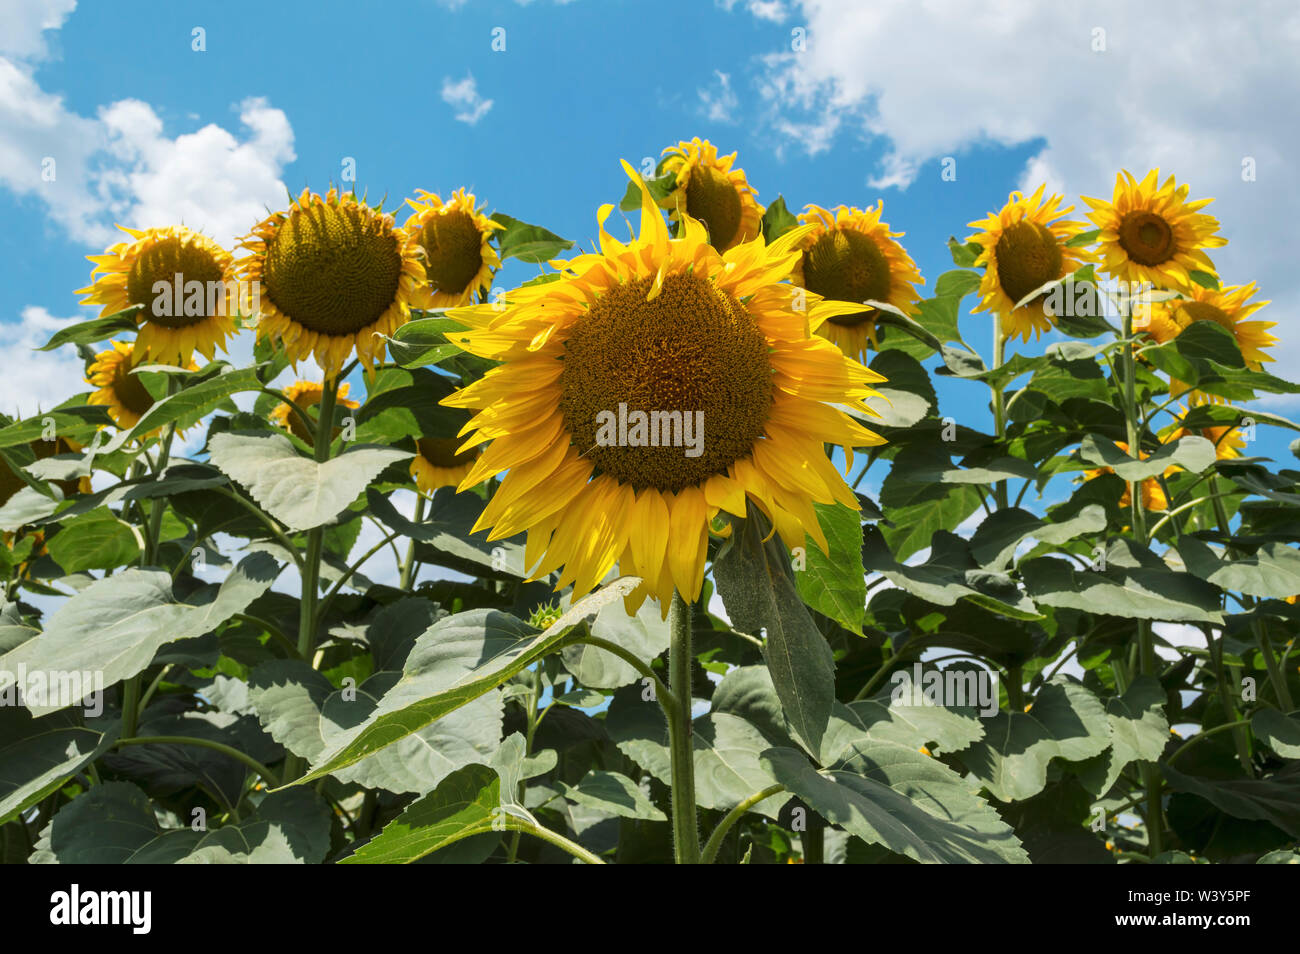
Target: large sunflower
point(122, 392)
point(1153, 234)
point(707, 342)
point(1229, 307)
point(157, 270)
point(457, 241)
point(850, 255)
point(1023, 249)
point(710, 190)
point(334, 274)
point(307, 395)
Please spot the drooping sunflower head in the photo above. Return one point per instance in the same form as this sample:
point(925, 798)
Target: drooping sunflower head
point(119, 390)
point(456, 238)
point(1024, 247)
point(849, 255)
point(1153, 495)
point(307, 395)
point(1230, 307)
point(1151, 233)
point(439, 463)
point(650, 387)
point(711, 190)
point(1228, 440)
point(184, 284)
point(333, 275)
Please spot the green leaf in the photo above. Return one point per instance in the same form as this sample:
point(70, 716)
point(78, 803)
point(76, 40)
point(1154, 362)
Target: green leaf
point(891, 795)
point(460, 658)
point(96, 541)
point(27, 506)
point(97, 329)
point(1138, 593)
point(38, 755)
point(645, 635)
point(425, 341)
point(1138, 731)
point(1065, 721)
point(116, 625)
point(298, 491)
point(614, 794)
point(964, 254)
point(1274, 799)
point(995, 540)
point(1279, 732)
point(289, 827)
point(833, 583)
point(528, 243)
point(777, 220)
point(467, 802)
point(754, 581)
point(1271, 572)
point(1083, 239)
point(1192, 453)
point(444, 537)
point(1204, 279)
point(661, 187)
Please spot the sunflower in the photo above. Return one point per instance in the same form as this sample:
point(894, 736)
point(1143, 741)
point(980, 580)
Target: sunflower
point(439, 464)
point(333, 274)
point(652, 386)
point(850, 255)
point(1228, 307)
point(1154, 235)
point(11, 483)
point(710, 190)
point(1227, 440)
point(457, 241)
point(1024, 247)
point(1153, 495)
point(120, 391)
point(158, 270)
point(307, 395)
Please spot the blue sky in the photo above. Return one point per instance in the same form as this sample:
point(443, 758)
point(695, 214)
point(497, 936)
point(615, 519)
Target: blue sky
point(145, 130)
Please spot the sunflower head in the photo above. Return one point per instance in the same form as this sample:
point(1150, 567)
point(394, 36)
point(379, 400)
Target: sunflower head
point(849, 255)
point(711, 191)
point(650, 387)
point(119, 390)
point(1150, 233)
point(439, 463)
point(1229, 307)
point(333, 275)
point(1153, 495)
point(307, 395)
point(1023, 248)
point(184, 284)
point(1228, 440)
point(456, 238)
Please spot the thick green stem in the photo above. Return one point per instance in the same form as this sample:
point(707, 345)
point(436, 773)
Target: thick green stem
point(715, 840)
point(409, 564)
point(686, 835)
point(999, 404)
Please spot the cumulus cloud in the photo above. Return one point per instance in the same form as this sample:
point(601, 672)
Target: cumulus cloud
point(463, 96)
point(1196, 88)
point(718, 103)
point(37, 380)
point(772, 10)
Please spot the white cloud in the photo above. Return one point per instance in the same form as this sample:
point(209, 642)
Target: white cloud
point(463, 96)
point(772, 10)
point(718, 104)
point(1193, 88)
point(119, 166)
point(37, 380)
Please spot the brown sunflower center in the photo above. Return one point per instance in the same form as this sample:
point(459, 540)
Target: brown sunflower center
point(333, 269)
point(441, 451)
point(130, 390)
point(712, 198)
point(177, 264)
point(1190, 311)
point(668, 392)
point(1028, 257)
point(847, 265)
point(453, 249)
point(1146, 237)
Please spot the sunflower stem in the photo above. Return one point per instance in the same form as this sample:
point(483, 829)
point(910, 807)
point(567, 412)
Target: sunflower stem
point(686, 835)
point(294, 765)
point(999, 404)
point(409, 564)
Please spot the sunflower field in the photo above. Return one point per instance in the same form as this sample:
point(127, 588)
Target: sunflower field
point(644, 610)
